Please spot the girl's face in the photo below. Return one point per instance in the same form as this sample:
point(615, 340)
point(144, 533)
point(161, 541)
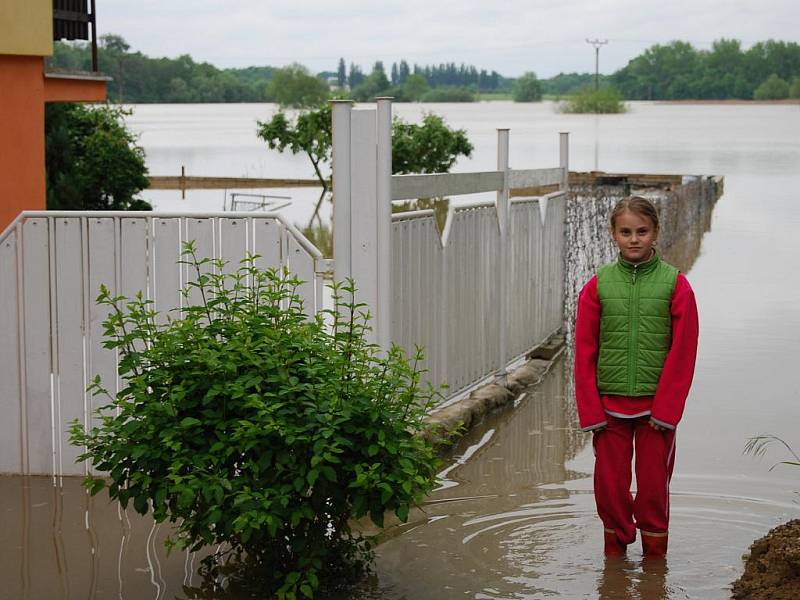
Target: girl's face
point(635, 236)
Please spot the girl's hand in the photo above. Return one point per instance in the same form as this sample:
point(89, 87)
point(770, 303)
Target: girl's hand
point(655, 425)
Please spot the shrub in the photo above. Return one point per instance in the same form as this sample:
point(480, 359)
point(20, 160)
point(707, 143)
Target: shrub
point(429, 147)
point(587, 100)
point(773, 88)
point(92, 160)
point(794, 91)
point(294, 86)
point(527, 88)
point(248, 424)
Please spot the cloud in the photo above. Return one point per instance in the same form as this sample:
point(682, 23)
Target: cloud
point(512, 37)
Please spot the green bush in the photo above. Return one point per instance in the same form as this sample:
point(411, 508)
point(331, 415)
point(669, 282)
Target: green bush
point(772, 88)
point(527, 88)
point(604, 100)
point(294, 86)
point(794, 91)
point(92, 160)
point(248, 424)
point(429, 147)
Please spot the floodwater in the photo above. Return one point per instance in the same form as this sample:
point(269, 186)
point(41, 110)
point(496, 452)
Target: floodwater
point(514, 517)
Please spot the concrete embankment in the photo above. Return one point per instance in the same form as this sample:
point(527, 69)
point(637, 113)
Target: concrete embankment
point(447, 424)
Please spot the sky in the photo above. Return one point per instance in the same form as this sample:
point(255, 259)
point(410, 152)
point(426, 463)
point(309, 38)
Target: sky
point(510, 36)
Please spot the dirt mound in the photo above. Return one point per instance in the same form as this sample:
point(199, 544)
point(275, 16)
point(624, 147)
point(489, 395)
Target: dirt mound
point(772, 572)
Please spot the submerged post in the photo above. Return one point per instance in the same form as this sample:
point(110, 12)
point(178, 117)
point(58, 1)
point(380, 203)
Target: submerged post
point(564, 159)
point(503, 214)
point(383, 316)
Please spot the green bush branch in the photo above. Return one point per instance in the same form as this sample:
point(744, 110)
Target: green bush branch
point(246, 422)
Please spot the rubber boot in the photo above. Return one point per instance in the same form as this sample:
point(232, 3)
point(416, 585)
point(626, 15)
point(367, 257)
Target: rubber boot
point(612, 546)
point(654, 545)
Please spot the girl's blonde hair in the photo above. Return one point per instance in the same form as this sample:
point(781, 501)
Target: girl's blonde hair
point(637, 205)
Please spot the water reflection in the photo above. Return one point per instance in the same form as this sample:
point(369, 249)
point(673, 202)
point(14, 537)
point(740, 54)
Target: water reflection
point(502, 516)
point(59, 542)
point(320, 232)
point(626, 579)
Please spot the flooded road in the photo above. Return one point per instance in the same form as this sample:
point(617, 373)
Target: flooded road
point(514, 518)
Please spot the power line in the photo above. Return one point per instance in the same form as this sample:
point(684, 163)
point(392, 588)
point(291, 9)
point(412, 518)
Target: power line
point(597, 45)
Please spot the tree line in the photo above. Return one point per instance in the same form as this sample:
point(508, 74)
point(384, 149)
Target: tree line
point(678, 71)
point(137, 78)
point(444, 74)
point(674, 71)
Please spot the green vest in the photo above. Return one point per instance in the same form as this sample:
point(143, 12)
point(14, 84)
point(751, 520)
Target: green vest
point(635, 325)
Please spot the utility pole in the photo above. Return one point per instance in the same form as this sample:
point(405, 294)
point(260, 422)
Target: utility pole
point(597, 44)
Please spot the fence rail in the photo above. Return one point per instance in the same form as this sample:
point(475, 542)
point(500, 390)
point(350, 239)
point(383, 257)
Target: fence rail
point(51, 268)
point(484, 290)
point(446, 293)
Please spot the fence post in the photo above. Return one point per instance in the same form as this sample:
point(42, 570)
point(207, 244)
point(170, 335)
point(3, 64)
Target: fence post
point(383, 316)
point(364, 212)
point(340, 162)
point(564, 159)
point(503, 214)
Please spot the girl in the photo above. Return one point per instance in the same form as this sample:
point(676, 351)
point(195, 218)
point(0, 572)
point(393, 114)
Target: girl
point(635, 348)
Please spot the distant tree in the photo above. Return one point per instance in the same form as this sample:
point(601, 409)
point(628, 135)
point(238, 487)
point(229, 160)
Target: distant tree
point(430, 147)
point(294, 86)
point(773, 88)
point(403, 73)
point(116, 49)
point(114, 43)
point(310, 133)
point(341, 74)
point(376, 84)
point(356, 76)
point(794, 91)
point(527, 88)
point(587, 100)
point(92, 161)
point(415, 87)
point(378, 75)
point(395, 78)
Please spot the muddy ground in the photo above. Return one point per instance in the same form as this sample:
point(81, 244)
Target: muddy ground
point(772, 571)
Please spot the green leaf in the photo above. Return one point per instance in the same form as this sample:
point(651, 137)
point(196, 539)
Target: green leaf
point(140, 504)
point(95, 485)
point(402, 512)
point(190, 422)
point(312, 476)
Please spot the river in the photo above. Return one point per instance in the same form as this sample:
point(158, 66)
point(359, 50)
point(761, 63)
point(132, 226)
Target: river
point(514, 517)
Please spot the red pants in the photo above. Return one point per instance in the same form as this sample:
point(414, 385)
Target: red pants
point(655, 456)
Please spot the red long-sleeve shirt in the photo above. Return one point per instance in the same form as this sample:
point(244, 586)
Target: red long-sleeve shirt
point(666, 407)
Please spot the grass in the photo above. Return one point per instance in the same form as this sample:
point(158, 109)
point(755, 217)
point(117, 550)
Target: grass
point(489, 96)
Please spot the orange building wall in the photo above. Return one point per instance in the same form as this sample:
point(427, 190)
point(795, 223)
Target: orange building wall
point(71, 89)
point(22, 183)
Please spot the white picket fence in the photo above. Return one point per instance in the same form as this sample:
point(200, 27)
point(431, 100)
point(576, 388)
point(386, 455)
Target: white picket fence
point(475, 296)
point(478, 295)
point(51, 267)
